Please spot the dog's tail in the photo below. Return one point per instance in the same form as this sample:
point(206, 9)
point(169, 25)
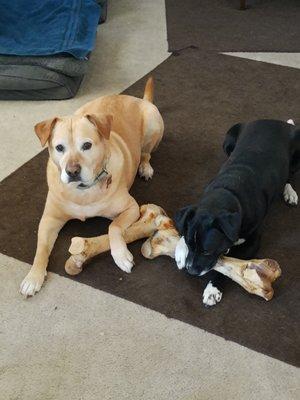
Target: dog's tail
point(149, 90)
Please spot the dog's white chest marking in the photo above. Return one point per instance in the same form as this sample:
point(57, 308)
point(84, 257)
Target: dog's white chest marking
point(239, 241)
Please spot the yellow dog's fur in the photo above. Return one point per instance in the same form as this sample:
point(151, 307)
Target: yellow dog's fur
point(123, 131)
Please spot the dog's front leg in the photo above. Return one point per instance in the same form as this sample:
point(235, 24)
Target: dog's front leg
point(49, 227)
point(119, 251)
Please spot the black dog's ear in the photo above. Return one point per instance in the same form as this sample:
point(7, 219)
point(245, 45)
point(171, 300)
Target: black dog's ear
point(231, 138)
point(230, 223)
point(212, 240)
point(183, 217)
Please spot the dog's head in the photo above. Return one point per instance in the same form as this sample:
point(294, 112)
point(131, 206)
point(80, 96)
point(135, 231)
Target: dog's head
point(207, 235)
point(78, 145)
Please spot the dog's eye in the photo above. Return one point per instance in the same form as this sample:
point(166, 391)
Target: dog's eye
point(206, 253)
point(60, 148)
point(86, 146)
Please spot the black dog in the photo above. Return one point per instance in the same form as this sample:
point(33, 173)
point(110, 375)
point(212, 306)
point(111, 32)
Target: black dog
point(263, 156)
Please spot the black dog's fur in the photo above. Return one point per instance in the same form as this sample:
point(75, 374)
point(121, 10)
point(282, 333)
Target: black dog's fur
point(263, 155)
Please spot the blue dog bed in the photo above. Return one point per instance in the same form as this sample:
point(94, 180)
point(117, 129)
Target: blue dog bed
point(45, 47)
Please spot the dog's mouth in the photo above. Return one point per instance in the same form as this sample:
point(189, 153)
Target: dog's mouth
point(75, 179)
point(101, 175)
point(199, 264)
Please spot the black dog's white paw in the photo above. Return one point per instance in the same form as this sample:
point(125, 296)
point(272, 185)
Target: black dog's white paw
point(290, 195)
point(211, 295)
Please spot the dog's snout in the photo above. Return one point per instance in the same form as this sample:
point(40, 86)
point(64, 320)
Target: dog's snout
point(73, 170)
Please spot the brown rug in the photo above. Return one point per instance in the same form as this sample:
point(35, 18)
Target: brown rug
point(219, 25)
point(200, 96)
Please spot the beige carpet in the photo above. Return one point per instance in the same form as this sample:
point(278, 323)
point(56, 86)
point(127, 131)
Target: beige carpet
point(75, 342)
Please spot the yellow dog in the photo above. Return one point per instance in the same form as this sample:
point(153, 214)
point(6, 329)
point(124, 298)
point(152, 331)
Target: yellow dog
point(94, 156)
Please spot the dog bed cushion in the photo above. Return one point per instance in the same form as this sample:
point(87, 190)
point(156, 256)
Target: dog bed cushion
point(40, 78)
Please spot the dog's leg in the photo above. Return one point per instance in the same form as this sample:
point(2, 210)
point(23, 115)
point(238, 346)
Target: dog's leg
point(153, 128)
point(34, 280)
point(213, 292)
point(145, 169)
point(49, 228)
point(119, 251)
point(244, 249)
point(247, 249)
point(290, 195)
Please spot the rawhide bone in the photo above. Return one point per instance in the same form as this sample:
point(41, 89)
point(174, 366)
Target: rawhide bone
point(255, 276)
point(83, 249)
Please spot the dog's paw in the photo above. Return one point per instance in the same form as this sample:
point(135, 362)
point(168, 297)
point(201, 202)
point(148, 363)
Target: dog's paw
point(290, 121)
point(211, 295)
point(123, 258)
point(181, 253)
point(32, 283)
point(290, 195)
point(145, 170)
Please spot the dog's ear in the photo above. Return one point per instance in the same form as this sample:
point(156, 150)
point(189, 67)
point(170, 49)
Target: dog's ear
point(231, 138)
point(183, 218)
point(102, 123)
point(44, 129)
point(212, 240)
point(230, 223)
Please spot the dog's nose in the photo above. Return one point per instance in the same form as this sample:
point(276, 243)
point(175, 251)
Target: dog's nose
point(73, 170)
